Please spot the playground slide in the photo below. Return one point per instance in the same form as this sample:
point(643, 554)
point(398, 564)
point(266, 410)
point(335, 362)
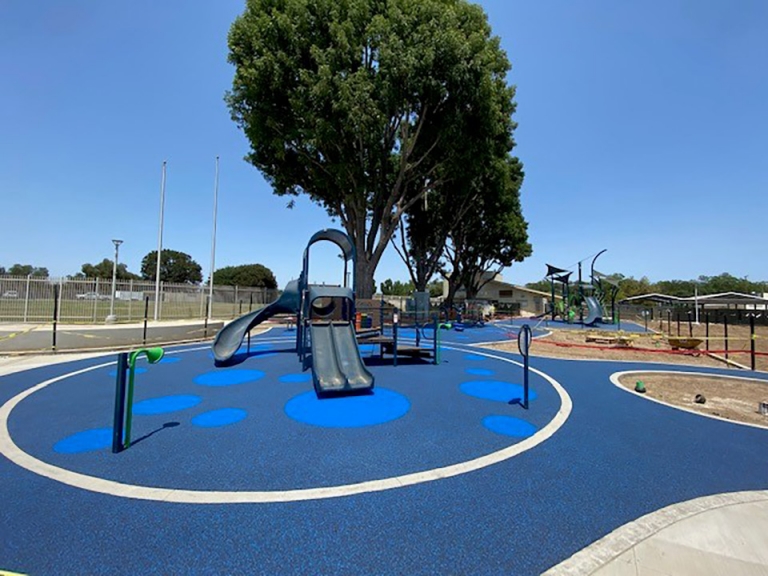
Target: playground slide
point(336, 362)
point(229, 338)
point(594, 309)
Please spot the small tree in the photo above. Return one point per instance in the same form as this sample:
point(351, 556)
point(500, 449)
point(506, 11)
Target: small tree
point(255, 275)
point(493, 235)
point(28, 270)
point(104, 270)
point(176, 267)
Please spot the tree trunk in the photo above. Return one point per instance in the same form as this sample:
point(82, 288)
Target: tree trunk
point(364, 283)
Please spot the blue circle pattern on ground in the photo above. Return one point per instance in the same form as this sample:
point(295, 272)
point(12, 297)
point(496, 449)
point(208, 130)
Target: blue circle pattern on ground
point(137, 371)
point(295, 378)
point(495, 390)
point(228, 377)
point(220, 417)
point(479, 371)
point(474, 357)
point(85, 441)
point(348, 411)
point(169, 360)
point(166, 404)
point(509, 426)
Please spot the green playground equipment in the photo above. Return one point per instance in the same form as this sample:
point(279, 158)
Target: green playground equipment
point(126, 363)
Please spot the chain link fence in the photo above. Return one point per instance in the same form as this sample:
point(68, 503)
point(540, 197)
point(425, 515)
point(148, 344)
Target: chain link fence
point(90, 300)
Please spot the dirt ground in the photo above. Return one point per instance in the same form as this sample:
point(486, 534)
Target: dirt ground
point(644, 347)
point(725, 397)
point(729, 398)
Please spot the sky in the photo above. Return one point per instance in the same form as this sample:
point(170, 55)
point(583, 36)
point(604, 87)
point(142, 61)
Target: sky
point(642, 126)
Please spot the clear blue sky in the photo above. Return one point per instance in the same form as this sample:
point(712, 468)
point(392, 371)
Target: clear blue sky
point(643, 128)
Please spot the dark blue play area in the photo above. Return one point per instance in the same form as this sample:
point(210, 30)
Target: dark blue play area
point(240, 462)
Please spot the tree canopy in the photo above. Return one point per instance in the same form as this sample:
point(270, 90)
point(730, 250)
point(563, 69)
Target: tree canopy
point(104, 270)
point(365, 106)
point(630, 286)
point(255, 275)
point(28, 270)
point(398, 288)
point(176, 267)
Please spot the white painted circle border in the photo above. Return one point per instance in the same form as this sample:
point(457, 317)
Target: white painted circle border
point(100, 485)
point(617, 375)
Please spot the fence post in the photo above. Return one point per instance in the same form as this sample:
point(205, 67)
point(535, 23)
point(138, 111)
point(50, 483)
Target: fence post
point(725, 334)
point(752, 338)
point(146, 314)
point(56, 289)
point(250, 302)
point(26, 298)
point(706, 319)
point(690, 325)
point(130, 298)
point(95, 299)
point(234, 303)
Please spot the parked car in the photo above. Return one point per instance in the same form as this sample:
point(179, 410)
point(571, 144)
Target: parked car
point(92, 296)
point(10, 294)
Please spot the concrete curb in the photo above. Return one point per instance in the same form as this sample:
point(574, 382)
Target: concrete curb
point(624, 538)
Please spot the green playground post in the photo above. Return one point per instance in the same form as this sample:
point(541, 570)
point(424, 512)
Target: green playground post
point(153, 355)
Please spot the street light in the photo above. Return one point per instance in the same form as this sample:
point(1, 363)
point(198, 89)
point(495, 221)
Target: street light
point(112, 317)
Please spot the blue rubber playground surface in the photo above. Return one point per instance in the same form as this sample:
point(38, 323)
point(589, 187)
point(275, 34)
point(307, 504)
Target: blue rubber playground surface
point(242, 470)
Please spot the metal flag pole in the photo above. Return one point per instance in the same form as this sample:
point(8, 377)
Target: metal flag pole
point(213, 239)
point(160, 244)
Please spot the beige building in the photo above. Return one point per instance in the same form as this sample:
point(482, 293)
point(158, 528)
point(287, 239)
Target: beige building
point(506, 296)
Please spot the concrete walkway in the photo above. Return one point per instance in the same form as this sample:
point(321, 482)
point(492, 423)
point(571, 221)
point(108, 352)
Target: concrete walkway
point(725, 534)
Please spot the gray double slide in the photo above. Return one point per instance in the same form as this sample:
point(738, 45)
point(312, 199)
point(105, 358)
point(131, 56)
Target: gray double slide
point(336, 363)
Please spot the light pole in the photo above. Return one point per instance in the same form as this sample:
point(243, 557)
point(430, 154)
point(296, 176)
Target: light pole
point(160, 244)
point(213, 240)
point(111, 318)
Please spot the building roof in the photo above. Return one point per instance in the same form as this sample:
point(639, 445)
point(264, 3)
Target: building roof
point(723, 298)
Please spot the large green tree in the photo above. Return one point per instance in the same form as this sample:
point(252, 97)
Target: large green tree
point(366, 105)
point(255, 275)
point(175, 267)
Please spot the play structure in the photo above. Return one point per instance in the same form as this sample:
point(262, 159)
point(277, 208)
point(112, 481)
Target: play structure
point(595, 296)
point(325, 329)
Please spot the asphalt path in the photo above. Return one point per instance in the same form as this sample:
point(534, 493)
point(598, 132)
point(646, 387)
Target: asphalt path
point(40, 338)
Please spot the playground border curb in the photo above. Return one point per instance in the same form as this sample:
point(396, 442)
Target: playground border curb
point(615, 381)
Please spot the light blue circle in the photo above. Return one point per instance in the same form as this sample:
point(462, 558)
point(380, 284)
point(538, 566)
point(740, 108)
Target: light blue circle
point(495, 390)
point(218, 418)
point(166, 404)
point(294, 378)
point(348, 411)
point(228, 377)
point(366, 348)
point(169, 360)
point(509, 426)
point(474, 357)
point(479, 371)
point(85, 441)
point(136, 371)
